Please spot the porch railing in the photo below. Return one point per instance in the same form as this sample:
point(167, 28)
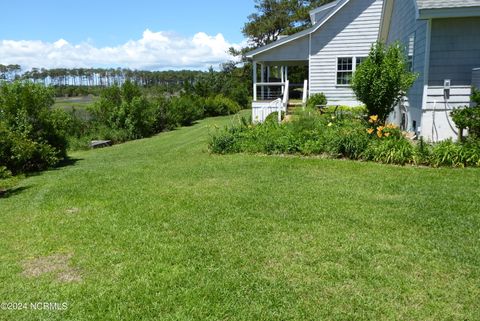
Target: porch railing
point(268, 90)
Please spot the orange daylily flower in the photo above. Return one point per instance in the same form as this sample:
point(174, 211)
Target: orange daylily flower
point(373, 119)
point(387, 134)
point(380, 128)
point(370, 131)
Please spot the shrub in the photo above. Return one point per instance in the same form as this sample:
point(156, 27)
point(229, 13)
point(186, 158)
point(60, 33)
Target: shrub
point(382, 79)
point(184, 111)
point(468, 117)
point(33, 135)
point(220, 105)
point(19, 153)
point(390, 151)
point(226, 141)
point(476, 97)
point(5, 173)
point(448, 153)
point(317, 100)
point(126, 111)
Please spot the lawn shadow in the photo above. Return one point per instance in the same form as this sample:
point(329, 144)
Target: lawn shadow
point(9, 192)
point(67, 162)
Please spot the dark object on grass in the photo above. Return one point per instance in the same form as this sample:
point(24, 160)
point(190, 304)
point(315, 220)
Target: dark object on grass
point(100, 143)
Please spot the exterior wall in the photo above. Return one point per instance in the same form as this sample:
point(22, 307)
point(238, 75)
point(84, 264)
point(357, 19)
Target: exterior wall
point(403, 25)
point(455, 51)
point(295, 50)
point(476, 77)
point(350, 33)
point(437, 123)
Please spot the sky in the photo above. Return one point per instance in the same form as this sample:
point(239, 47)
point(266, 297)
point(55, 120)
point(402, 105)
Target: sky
point(138, 34)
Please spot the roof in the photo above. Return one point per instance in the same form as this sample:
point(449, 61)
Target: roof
point(332, 10)
point(322, 11)
point(440, 4)
point(430, 9)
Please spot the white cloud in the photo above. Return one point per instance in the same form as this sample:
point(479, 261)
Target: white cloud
point(154, 51)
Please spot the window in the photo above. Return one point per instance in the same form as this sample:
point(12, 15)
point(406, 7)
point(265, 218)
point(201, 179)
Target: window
point(344, 71)
point(360, 60)
point(410, 51)
point(346, 68)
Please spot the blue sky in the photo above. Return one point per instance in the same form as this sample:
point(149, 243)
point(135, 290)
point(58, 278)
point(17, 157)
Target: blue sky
point(87, 27)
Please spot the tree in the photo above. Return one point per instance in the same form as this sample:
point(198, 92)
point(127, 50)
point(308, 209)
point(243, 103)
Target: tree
point(382, 79)
point(277, 17)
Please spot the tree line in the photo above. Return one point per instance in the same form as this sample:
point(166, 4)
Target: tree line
point(96, 77)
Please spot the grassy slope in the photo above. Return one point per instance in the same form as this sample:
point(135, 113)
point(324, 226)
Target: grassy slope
point(166, 231)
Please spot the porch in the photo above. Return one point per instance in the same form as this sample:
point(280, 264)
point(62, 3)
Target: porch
point(273, 90)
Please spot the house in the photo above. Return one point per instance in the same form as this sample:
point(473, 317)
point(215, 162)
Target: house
point(341, 36)
point(442, 42)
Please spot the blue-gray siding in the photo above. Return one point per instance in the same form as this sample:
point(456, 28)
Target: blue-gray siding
point(455, 50)
point(403, 25)
point(350, 33)
point(476, 78)
point(296, 50)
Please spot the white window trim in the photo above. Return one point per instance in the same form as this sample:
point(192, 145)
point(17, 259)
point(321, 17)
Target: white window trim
point(354, 68)
point(412, 59)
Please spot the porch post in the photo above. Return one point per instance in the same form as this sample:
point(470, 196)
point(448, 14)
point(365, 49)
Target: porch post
point(268, 80)
point(254, 81)
point(282, 76)
point(262, 79)
point(286, 73)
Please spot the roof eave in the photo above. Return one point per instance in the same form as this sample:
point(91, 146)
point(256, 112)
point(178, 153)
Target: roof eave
point(339, 5)
point(425, 14)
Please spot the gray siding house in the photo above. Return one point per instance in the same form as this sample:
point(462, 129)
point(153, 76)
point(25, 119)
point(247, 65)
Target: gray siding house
point(341, 36)
point(441, 37)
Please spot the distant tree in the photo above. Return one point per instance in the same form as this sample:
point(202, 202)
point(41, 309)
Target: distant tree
point(276, 17)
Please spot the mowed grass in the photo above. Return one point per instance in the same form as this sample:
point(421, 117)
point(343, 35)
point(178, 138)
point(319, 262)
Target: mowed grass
point(159, 229)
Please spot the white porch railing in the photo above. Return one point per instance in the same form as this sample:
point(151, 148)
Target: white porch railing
point(262, 109)
point(268, 90)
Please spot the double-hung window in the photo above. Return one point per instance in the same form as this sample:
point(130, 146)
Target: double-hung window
point(346, 66)
point(410, 51)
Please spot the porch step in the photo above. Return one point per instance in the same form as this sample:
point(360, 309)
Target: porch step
point(293, 106)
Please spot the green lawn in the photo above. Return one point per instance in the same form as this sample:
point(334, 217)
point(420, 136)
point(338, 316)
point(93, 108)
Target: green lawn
point(159, 229)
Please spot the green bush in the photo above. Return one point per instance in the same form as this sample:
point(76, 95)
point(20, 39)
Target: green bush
point(382, 79)
point(467, 118)
point(476, 97)
point(317, 100)
point(5, 173)
point(390, 151)
point(342, 137)
point(184, 111)
point(220, 105)
point(33, 135)
point(19, 153)
point(448, 153)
